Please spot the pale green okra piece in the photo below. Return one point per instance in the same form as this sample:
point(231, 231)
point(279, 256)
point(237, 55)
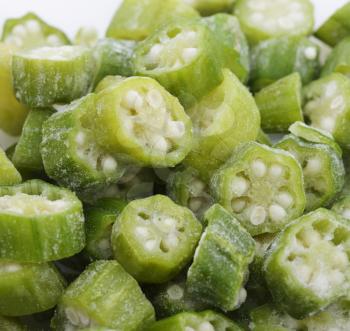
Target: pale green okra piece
point(263, 138)
point(211, 7)
point(11, 324)
point(86, 36)
point(8, 173)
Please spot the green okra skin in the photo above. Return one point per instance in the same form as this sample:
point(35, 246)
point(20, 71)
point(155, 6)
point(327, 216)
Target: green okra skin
point(11, 324)
point(30, 31)
point(263, 138)
point(137, 19)
point(49, 75)
point(8, 173)
point(154, 238)
point(150, 127)
point(342, 207)
point(108, 82)
point(307, 266)
point(276, 58)
point(211, 7)
point(39, 222)
point(327, 106)
point(336, 28)
point(104, 295)
point(222, 120)
point(280, 104)
point(220, 265)
point(27, 288)
point(262, 186)
point(183, 57)
point(86, 36)
point(234, 46)
point(263, 19)
point(338, 59)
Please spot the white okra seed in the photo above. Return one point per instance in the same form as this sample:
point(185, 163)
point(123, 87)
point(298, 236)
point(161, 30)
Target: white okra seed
point(80, 138)
point(277, 213)
point(285, 199)
point(141, 231)
point(150, 245)
point(313, 166)
point(327, 123)
point(340, 259)
point(33, 26)
point(109, 164)
point(53, 40)
point(189, 54)
point(338, 102)
point(258, 168)
point(304, 273)
point(238, 205)
point(159, 143)
point(72, 315)
point(19, 31)
point(175, 292)
point(133, 99)
point(155, 52)
point(276, 170)
point(239, 186)
point(310, 53)
point(206, 326)
point(258, 215)
point(174, 129)
point(195, 204)
point(155, 99)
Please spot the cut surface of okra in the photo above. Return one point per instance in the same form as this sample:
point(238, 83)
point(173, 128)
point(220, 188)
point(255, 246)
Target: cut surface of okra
point(262, 186)
point(8, 173)
point(154, 238)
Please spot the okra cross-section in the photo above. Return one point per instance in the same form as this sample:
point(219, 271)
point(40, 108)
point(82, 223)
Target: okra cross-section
point(262, 186)
point(307, 267)
point(8, 173)
point(39, 222)
point(220, 265)
point(154, 238)
point(140, 120)
point(104, 295)
point(49, 75)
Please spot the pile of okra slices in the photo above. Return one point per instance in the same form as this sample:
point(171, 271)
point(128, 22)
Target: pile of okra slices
point(145, 193)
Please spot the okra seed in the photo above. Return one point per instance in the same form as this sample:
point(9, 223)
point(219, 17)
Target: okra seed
point(258, 215)
point(188, 54)
point(242, 296)
point(175, 129)
point(170, 222)
point(310, 53)
point(304, 273)
point(175, 292)
point(239, 186)
point(276, 171)
point(53, 40)
point(197, 187)
point(109, 164)
point(313, 166)
point(258, 168)
point(11, 267)
point(155, 52)
point(238, 205)
point(72, 315)
point(160, 143)
point(346, 213)
point(331, 89)
point(327, 123)
point(340, 259)
point(338, 102)
point(155, 99)
point(206, 326)
point(19, 31)
point(133, 100)
point(33, 26)
point(277, 213)
point(142, 232)
point(151, 245)
point(285, 199)
point(171, 241)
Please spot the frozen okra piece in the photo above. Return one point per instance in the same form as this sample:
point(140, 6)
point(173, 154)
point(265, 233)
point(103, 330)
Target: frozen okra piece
point(220, 265)
point(39, 222)
point(137, 19)
point(262, 186)
point(11, 324)
point(307, 266)
point(154, 238)
point(264, 19)
point(8, 173)
point(280, 104)
point(27, 288)
point(104, 295)
point(139, 118)
point(210, 7)
point(86, 36)
point(30, 31)
point(222, 120)
point(49, 75)
point(185, 57)
point(327, 106)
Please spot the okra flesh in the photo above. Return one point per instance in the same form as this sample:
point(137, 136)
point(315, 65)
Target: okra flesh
point(307, 266)
point(154, 238)
point(262, 186)
point(211, 7)
point(8, 173)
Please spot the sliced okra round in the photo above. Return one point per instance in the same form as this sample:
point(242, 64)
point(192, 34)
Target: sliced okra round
point(307, 266)
point(263, 19)
point(11, 324)
point(183, 57)
point(211, 7)
point(280, 104)
point(86, 36)
point(139, 118)
point(49, 75)
point(27, 288)
point(327, 106)
point(39, 222)
point(262, 186)
point(104, 295)
point(8, 173)
point(222, 120)
point(30, 31)
point(154, 238)
point(220, 265)
point(263, 138)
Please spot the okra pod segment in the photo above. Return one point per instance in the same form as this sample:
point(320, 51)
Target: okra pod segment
point(154, 238)
point(262, 186)
point(8, 173)
point(211, 7)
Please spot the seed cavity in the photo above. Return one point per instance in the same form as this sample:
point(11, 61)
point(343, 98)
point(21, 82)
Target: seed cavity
point(258, 215)
point(258, 168)
point(277, 213)
point(285, 199)
point(239, 186)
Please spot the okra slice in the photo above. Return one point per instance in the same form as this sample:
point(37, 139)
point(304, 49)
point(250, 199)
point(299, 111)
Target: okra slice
point(327, 106)
point(39, 222)
point(70, 153)
point(86, 36)
point(307, 267)
point(154, 238)
point(183, 57)
point(280, 104)
point(30, 31)
point(263, 19)
point(104, 295)
point(139, 118)
point(211, 7)
point(27, 288)
point(263, 138)
point(262, 186)
point(234, 45)
point(49, 75)
point(225, 118)
point(220, 265)
point(137, 19)
point(8, 173)
point(276, 58)
point(11, 324)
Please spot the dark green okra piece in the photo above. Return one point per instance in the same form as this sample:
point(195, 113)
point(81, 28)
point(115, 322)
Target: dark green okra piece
point(8, 173)
point(27, 288)
point(39, 222)
point(263, 19)
point(49, 75)
point(137, 19)
point(276, 58)
point(220, 265)
point(154, 238)
point(307, 266)
point(211, 7)
point(11, 324)
point(262, 186)
point(222, 120)
point(280, 104)
point(104, 295)
point(263, 138)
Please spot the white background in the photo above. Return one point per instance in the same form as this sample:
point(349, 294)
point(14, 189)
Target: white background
point(69, 15)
